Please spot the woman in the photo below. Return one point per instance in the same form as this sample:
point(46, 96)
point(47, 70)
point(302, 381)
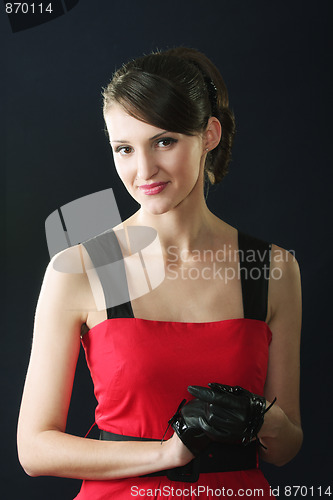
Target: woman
point(171, 130)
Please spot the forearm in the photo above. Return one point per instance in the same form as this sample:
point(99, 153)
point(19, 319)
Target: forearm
point(281, 437)
point(54, 453)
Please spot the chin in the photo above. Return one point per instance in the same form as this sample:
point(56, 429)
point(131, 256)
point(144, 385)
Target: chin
point(156, 208)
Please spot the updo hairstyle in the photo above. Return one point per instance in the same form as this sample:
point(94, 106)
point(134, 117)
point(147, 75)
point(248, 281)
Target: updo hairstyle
point(177, 90)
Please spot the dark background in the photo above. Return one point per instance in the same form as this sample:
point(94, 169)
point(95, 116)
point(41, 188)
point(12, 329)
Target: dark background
point(275, 58)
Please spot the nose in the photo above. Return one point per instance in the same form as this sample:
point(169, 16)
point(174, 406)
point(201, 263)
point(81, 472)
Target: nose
point(146, 165)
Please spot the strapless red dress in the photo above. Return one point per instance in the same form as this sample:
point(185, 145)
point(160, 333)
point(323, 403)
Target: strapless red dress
point(141, 370)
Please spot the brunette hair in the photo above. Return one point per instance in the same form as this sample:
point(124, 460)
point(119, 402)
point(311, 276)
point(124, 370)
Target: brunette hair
point(177, 90)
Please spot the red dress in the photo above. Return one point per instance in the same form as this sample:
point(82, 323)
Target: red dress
point(141, 370)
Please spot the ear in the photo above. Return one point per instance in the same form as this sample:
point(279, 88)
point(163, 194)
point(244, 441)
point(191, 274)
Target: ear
point(212, 134)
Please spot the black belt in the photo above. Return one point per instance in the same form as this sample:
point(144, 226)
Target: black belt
point(218, 457)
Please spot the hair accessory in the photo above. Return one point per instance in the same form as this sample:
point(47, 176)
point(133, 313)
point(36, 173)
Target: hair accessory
point(212, 93)
point(211, 88)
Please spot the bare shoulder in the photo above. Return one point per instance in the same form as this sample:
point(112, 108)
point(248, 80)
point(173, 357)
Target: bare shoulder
point(285, 283)
point(284, 259)
point(65, 290)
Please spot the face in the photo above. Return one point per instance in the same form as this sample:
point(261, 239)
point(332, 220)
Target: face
point(159, 168)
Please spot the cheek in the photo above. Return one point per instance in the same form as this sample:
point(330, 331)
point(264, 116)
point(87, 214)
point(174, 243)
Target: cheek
point(187, 159)
point(124, 171)
point(188, 163)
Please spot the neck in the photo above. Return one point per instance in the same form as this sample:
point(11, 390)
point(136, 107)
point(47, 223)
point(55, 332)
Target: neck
point(189, 226)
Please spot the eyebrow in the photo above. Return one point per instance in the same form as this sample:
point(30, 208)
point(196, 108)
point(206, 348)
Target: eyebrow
point(150, 139)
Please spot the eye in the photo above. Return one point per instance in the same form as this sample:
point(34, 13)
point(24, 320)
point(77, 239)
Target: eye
point(166, 142)
point(124, 150)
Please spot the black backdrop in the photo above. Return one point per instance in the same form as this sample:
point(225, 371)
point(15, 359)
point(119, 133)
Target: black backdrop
point(275, 58)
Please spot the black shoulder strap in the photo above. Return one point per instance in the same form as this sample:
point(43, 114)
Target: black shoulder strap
point(254, 258)
point(107, 259)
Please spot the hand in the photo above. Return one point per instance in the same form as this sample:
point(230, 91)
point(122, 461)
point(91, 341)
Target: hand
point(186, 423)
point(231, 414)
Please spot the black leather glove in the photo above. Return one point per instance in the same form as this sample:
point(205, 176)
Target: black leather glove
point(186, 422)
point(231, 414)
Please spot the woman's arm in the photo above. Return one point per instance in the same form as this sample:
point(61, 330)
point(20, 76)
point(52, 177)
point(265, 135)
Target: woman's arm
point(281, 432)
point(44, 447)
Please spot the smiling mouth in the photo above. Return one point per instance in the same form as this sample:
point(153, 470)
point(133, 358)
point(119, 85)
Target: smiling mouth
point(154, 188)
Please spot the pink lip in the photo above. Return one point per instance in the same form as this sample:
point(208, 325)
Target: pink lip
point(154, 188)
